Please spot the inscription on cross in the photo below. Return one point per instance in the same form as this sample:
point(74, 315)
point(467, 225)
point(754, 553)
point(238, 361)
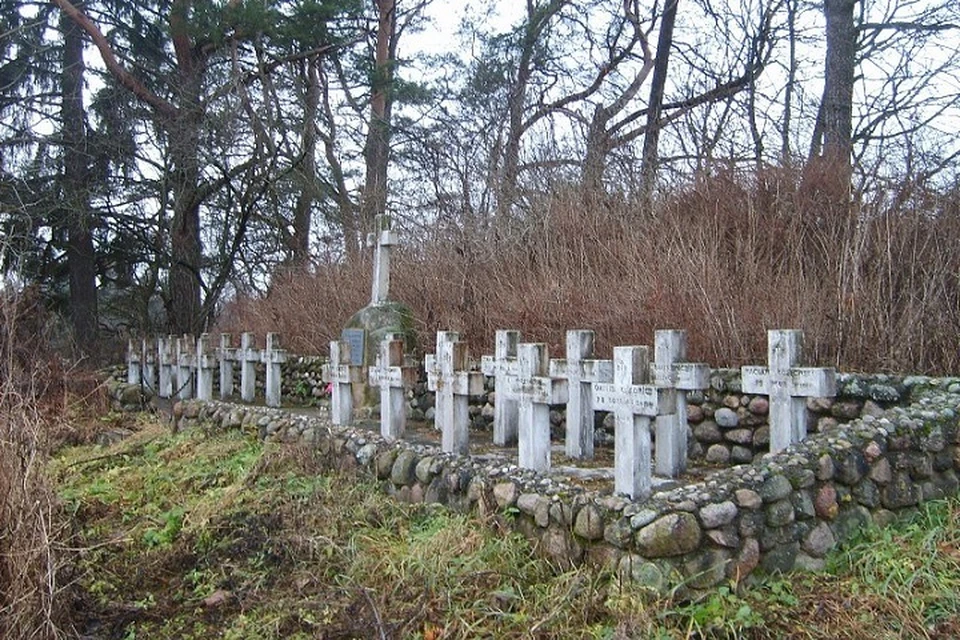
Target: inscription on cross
point(273, 356)
point(500, 367)
point(382, 241)
point(248, 356)
point(534, 391)
point(671, 372)
point(788, 386)
point(393, 378)
point(450, 377)
point(581, 372)
point(341, 374)
point(633, 403)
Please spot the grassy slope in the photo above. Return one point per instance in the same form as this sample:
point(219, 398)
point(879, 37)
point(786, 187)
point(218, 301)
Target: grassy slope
point(190, 536)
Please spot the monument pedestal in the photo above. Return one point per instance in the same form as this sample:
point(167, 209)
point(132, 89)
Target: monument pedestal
point(365, 330)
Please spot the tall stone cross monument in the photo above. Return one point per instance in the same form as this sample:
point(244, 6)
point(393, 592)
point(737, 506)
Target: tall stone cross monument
point(383, 317)
point(381, 240)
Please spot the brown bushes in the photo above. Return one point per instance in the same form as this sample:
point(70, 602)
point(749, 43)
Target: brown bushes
point(875, 288)
point(32, 529)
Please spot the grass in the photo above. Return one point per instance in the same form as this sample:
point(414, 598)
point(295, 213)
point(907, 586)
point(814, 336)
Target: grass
point(197, 535)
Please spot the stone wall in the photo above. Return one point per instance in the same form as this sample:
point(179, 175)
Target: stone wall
point(776, 513)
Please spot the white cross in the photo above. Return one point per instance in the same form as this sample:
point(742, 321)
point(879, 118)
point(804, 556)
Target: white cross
point(393, 379)
point(273, 356)
point(633, 403)
point(165, 353)
point(384, 238)
point(227, 356)
point(500, 366)
point(149, 364)
point(580, 372)
point(671, 372)
point(186, 361)
point(341, 375)
point(248, 356)
point(534, 390)
point(448, 375)
point(133, 363)
point(206, 363)
point(788, 385)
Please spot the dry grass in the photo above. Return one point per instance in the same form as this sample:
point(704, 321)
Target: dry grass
point(876, 287)
point(34, 598)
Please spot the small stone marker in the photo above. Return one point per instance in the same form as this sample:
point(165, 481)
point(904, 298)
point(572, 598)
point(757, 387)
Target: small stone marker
point(501, 366)
point(633, 403)
point(671, 372)
point(248, 356)
point(227, 356)
point(341, 375)
point(149, 364)
point(788, 385)
point(206, 364)
point(580, 372)
point(384, 238)
point(186, 361)
point(534, 391)
point(273, 356)
point(165, 353)
point(393, 378)
point(449, 376)
point(133, 363)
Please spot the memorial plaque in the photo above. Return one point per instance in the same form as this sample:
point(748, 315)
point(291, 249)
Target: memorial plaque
point(355, 338)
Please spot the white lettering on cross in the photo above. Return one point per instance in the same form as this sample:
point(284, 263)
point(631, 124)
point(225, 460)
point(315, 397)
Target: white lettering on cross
point(787, 386)
point(632, 403)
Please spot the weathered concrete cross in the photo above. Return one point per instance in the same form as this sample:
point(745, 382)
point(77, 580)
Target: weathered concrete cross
point(534, 391)
point(206, 363)
point(581, 372)
point(671, 372)
point(149, 364)
point(501, 366)
point(227, 356)
point(341, 375)
point(393, 378)
point(186, 361)
point(273, 356)
point(165, 353)
point(788, 385)
point(133, 363)
point(449, 375)
point(382, 240)
point(633, 402)
point(248, 356)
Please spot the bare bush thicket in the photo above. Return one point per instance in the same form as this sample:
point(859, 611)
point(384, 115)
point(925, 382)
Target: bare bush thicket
point(33, 560)
point(875, 287)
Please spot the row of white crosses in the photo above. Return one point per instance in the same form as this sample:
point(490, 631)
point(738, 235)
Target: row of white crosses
point(631, 387)
point(186, 366)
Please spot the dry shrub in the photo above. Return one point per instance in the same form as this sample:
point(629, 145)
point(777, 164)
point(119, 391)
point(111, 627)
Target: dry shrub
point(874, 287)
point(34, 602)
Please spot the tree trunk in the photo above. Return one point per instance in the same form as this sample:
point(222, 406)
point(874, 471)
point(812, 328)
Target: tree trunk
point(377, 147)
point(833, 133)
point(649, 159)
point(81, 260)
point(300, 242)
